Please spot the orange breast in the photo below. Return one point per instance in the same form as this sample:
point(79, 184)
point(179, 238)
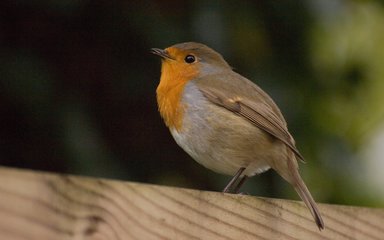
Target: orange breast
point(174, 76)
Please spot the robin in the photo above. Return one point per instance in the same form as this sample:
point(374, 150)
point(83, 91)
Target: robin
point(224, 121)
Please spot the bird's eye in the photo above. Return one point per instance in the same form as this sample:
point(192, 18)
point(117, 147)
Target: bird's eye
point(190, 59)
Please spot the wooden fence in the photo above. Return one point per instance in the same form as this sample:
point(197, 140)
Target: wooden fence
point(35, 205)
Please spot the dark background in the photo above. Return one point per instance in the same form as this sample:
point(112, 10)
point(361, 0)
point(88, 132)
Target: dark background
point(77, 87)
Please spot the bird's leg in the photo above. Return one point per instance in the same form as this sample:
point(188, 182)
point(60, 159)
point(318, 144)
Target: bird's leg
point(230, 185)
point(239, 184)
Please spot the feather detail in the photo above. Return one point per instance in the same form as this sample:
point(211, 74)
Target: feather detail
point(257, 113)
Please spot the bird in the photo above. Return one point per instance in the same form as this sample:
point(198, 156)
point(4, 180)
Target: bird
point(224, 121)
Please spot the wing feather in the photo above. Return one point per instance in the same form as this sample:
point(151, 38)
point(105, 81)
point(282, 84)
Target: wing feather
point(260, 114)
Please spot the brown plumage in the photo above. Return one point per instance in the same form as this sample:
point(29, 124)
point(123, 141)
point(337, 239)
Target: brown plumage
point(224, 121)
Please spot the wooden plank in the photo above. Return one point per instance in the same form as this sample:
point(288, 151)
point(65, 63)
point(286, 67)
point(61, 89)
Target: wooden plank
point(35, 205)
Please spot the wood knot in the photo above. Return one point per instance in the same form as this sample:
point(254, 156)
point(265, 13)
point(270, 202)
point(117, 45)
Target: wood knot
point(94, 222)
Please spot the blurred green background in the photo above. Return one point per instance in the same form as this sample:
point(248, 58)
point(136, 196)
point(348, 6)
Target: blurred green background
point(77, 88)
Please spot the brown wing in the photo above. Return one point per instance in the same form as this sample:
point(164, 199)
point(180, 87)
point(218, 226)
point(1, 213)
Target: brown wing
point(258, 113)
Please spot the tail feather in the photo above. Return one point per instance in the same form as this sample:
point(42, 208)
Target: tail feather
point(303, 192)
point(306, 196)
point(289, 170)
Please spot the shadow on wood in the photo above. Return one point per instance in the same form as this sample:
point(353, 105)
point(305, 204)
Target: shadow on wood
point(35, 205)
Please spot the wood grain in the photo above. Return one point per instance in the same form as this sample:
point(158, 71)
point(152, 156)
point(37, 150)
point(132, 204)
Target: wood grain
point(35, 205)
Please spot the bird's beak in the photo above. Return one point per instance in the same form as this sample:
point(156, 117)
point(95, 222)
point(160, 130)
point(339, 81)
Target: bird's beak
point(162, 53)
